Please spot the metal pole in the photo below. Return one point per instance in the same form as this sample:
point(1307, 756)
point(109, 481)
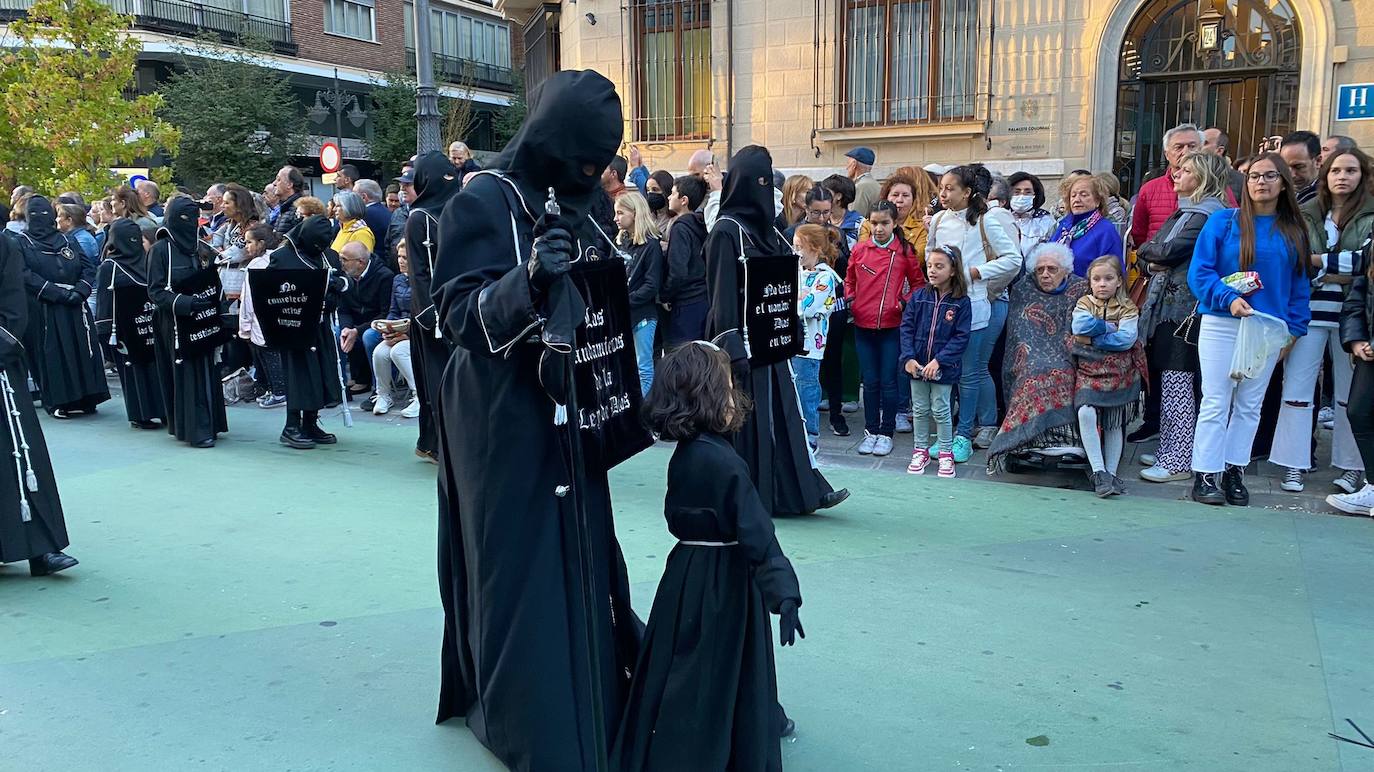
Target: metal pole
point(338, 105)
point(426, 96)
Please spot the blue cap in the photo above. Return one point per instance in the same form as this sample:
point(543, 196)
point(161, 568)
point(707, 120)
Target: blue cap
point(863, 155)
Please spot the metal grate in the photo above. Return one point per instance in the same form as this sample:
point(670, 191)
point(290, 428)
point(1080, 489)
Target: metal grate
point(910, 62)
point(672, 69)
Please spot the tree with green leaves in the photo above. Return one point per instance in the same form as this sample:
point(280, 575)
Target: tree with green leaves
point(512, 116)
point(239, 120)
point(393, 138)
point(64, 77)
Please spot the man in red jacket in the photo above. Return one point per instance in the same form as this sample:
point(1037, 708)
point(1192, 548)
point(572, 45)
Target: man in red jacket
point(1157, 199)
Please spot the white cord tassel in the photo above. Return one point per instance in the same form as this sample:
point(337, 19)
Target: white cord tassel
point(429, 256)
point(560, 415)
point(23, 465)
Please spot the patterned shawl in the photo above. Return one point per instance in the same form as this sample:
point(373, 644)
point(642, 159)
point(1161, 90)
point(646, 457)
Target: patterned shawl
point(1038, 371)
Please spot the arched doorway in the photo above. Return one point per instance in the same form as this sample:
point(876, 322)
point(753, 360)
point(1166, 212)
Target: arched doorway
point(1228, 63)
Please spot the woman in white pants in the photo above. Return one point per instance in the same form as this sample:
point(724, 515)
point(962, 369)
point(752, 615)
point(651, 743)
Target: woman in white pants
point(1339, 222)
point(1254, 259)
point(395, 346)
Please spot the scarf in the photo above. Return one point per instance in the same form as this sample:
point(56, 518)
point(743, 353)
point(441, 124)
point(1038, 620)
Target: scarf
point(1080, 228)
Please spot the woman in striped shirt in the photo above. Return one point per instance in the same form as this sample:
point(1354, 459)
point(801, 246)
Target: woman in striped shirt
point(1339, 221)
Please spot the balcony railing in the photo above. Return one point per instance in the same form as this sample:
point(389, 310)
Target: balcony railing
point(451, 69)
point(189, 19)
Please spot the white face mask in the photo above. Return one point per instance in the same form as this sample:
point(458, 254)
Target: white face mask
point(1022, 204)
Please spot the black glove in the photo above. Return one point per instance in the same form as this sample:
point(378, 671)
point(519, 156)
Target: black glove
point(551, 259)
point(74, 298)
point(202, 304)
point(789, 624)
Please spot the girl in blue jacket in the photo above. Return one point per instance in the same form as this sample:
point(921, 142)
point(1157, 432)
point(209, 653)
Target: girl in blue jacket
point(934, 334)
point(1255, 259)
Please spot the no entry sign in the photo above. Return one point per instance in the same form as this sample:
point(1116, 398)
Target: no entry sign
point(330, 158)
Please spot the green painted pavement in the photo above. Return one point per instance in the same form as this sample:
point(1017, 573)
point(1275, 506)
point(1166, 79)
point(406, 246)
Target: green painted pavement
point(253, 607)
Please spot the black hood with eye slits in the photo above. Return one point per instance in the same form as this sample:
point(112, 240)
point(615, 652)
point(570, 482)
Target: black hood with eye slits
point(747, 196)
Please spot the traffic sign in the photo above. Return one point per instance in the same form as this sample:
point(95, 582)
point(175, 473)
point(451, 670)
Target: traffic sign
point(330, 157)
point(1355, 102)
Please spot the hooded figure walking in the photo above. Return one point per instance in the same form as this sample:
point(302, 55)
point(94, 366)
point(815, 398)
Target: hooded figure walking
point(773, 441)
point(313, 375)
point(125, 264)
point(191, 392)
point(518, 659)
point(31, 524)
point(71, 371)
point(436, 180)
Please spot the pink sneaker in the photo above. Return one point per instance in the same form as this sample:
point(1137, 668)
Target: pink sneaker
point(920, 459)
point(946, 464)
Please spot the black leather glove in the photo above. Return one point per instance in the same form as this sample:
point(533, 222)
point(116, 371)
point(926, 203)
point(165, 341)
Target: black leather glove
point(789, 624)
point(74, 298)
point(552, 258)
point(202, 304)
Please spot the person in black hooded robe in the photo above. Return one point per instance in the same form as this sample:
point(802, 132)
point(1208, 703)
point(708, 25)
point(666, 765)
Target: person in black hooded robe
point(313, 375)
point(125, 264)
point(32, 527)
point(71, 369)
point(436, 181)
point(773, 441)
point(516, 655)
point(191, 391)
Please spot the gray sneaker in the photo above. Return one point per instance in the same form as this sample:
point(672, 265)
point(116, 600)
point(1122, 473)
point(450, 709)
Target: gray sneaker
point(270, 401)
point(850, 407)
point(984, 437)
point(870, 442)
point(1102, 485)
point(1349, 481)
point(883, 446)
point(903, 423)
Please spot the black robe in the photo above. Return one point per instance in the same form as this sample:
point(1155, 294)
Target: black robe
point(517, 661)
point(313, 375)
point(59, 281)
point(125, 264)
point(773, 441)
point(705, 689)
point(31, 521)
point(436, 181)
point(191, 392)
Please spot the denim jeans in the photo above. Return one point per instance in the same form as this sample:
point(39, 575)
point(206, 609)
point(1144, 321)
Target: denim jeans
point(931, 400)
point(878, 351)
point(977, 393)
point(806, 375)
point(370, 339)
point(644, 352)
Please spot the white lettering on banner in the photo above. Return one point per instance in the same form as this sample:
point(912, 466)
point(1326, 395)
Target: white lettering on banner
point(286, 299)
point(595, 318)
point(600, 350)
point(202, 334)
point(614, 406)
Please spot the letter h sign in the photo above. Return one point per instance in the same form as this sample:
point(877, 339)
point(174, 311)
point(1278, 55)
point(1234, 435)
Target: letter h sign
point(1355, 102)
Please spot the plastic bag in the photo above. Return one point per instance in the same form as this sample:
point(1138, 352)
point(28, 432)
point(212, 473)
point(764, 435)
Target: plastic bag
point(1259, 338)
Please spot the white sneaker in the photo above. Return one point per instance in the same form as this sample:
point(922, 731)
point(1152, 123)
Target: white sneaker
point(1149, 459)
point(412, 410)
point(870, 442)
point(1349, 481)
point(1159, 474)
point(1292, 480)
point(383, 405)
point(1327, 418)
point(883, 446)
point(1358, 503)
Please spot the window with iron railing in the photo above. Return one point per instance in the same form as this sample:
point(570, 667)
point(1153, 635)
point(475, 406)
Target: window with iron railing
point(672, 69)
point(234, 21)
point(465, 47)
point(909, 62)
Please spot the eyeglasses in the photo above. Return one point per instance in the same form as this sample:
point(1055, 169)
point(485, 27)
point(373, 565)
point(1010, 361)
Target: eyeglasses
point(1263, 176)
point(817, 214)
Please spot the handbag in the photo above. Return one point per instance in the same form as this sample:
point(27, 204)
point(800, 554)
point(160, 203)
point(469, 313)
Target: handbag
point(1189, 329)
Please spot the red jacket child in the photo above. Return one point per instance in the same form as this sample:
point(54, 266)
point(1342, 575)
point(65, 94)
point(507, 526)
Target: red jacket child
point(879, 281)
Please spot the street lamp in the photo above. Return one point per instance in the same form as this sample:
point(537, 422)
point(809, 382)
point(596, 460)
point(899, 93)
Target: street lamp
point(426, 96)
point(337, 100)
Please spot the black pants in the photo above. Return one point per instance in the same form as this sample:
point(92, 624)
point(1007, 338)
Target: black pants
point(832, 365)
point(270, 369)
point(686, 322)
point(1360, 409)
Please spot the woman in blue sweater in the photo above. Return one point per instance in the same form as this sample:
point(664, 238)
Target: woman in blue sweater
point(1086, 229)
point(1249, 260)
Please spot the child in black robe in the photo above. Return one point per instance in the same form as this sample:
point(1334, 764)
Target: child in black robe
point(705, 693)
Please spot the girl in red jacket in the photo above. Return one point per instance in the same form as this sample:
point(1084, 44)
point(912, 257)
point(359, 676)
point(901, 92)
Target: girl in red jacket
point(883, 272)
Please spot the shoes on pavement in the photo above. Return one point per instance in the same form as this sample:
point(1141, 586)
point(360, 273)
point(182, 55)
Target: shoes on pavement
point(1159, 474)
point(963, 449)
point(1118, 486)
point(1102, 484)
point(1145, 433)
point(51, 563)
point(427, 455)
point(1327, 418)
point(270, 400)
point(206, 443)
point(870, 442)
point(920, 459)
point(1360, 502)
point(292, 437)
point(320, 436)
point(882, 446)
point(1292, 480)
point(984, 437)
point(1349, 481)
point(1205, 490)
point(1148, 459)
point(849, 407)
point(833, 499)
point(383, 405)
point(903, 423)
point(838, 426)
point(789, 728)
point(946, 465)
point(412, 410)
point(1233, 485)
point(60, 414)
point(145, 424)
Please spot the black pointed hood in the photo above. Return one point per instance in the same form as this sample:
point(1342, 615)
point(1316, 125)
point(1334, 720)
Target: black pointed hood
point(571, 134)
point(180, 223)
point(41, 221)
point(436, 181)
point(312, 236)
point(124, 247)
point(747, 196)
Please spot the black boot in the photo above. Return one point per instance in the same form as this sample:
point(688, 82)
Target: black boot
point(1233, 483)
point(1205, 490)
point(310, 427)
point(292, 436)
point(50, 563)
point(833, 498)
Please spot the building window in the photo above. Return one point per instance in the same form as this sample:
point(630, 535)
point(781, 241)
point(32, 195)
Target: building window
point(672, 41)
point(460, 36)
point(909, 61)
point(351, 18)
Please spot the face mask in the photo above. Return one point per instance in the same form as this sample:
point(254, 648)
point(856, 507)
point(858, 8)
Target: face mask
point(657, 201)
point(1022, 204)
